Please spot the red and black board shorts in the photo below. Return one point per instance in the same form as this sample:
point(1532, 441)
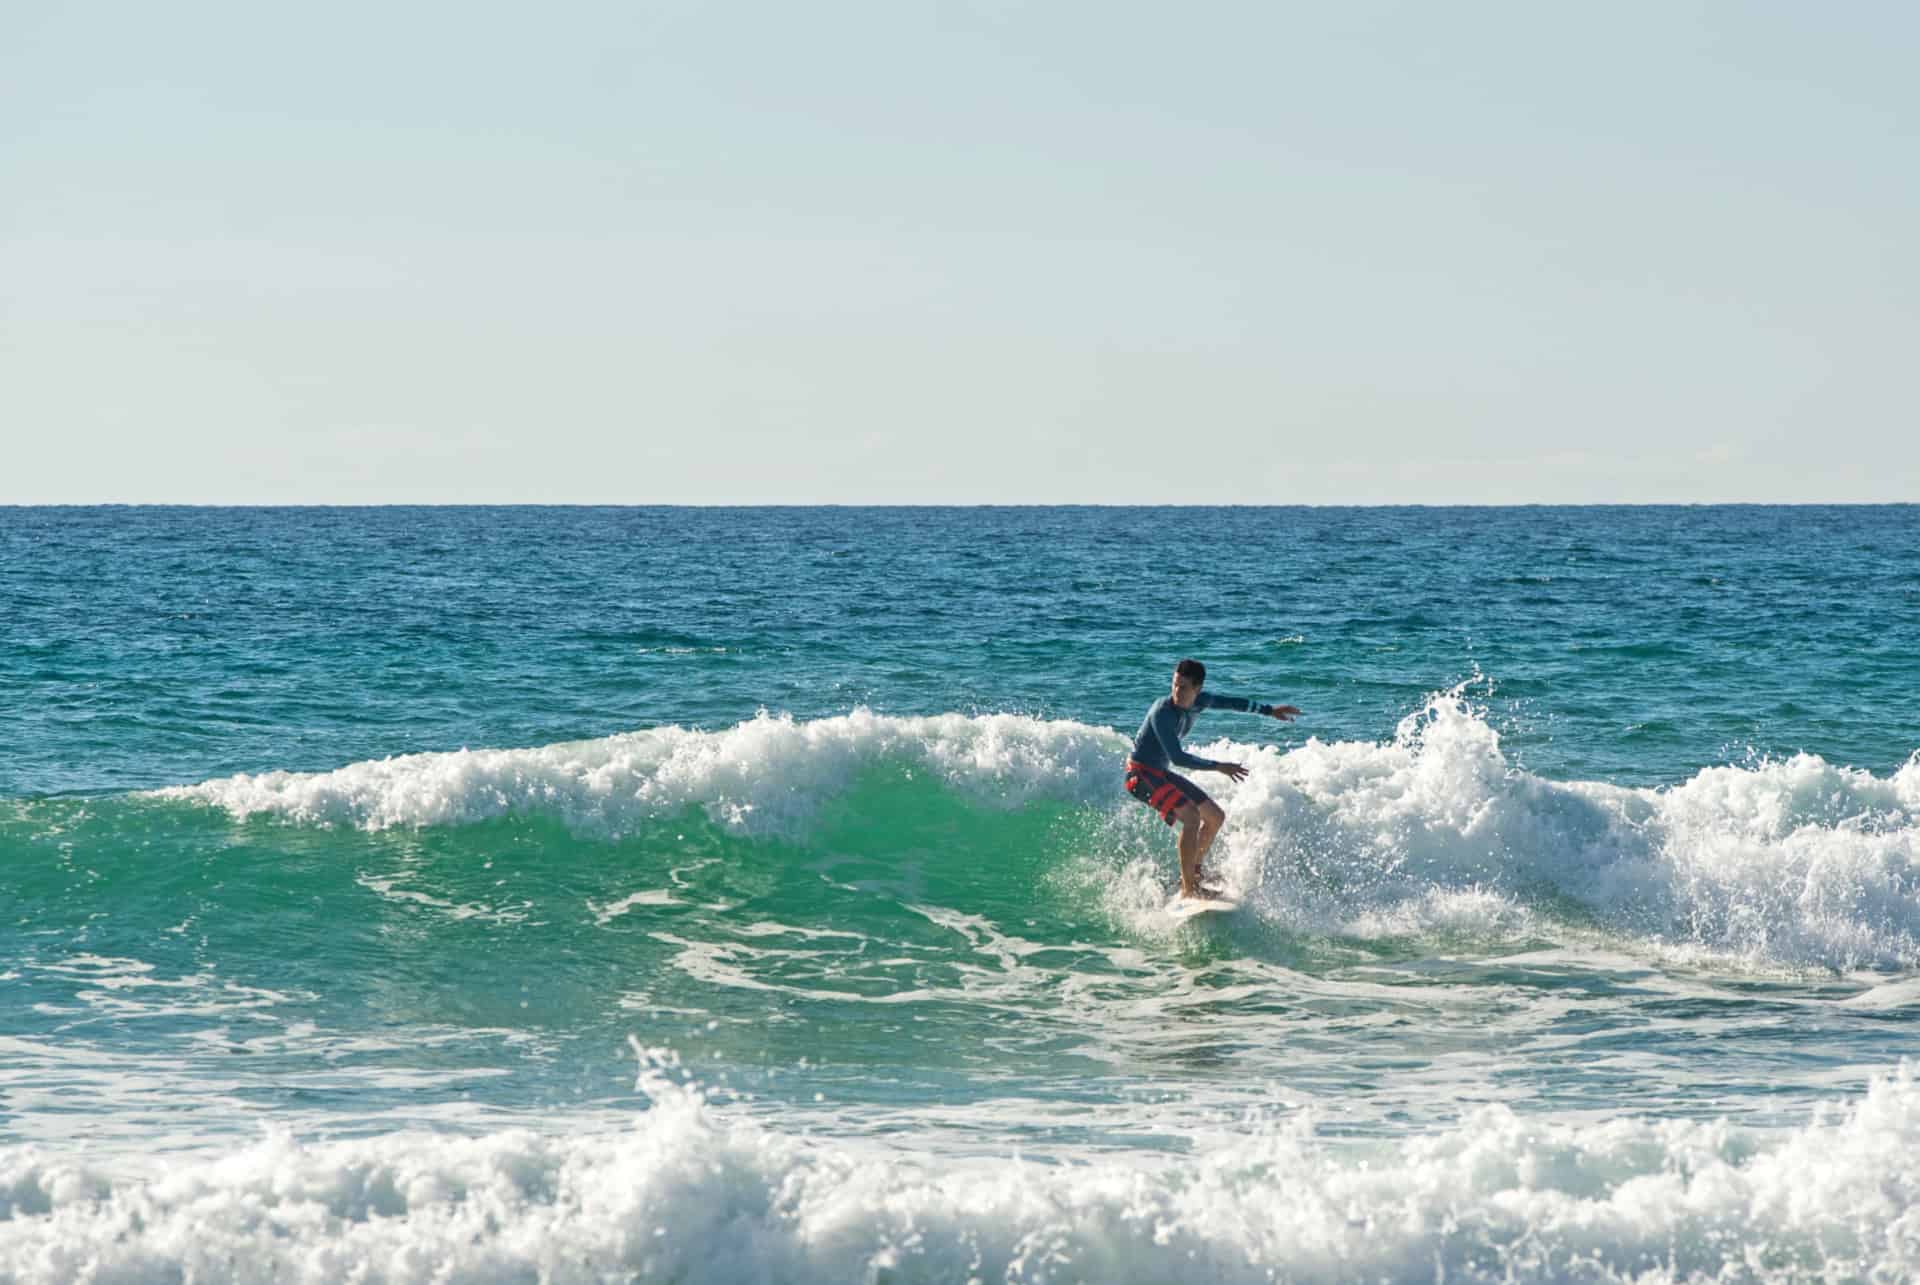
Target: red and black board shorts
point(1165, 792)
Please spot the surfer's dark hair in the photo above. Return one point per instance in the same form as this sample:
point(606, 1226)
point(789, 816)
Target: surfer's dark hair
point(1194, 670)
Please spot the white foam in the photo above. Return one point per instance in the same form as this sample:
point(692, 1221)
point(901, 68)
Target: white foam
point(606, 914)
point(766, 776)
point(1795, 862)
point(692, 1192)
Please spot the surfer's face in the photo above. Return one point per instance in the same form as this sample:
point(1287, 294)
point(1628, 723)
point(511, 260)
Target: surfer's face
point(1184, 690)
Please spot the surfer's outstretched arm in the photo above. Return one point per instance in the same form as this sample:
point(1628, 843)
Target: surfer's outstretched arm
point(1208, 700)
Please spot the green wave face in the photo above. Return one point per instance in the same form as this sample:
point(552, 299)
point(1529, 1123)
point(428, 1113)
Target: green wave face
point(523, 924)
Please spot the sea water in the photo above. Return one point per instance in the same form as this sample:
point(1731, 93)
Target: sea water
point(751, 895)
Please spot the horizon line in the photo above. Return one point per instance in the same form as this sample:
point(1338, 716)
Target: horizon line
point(948, 504)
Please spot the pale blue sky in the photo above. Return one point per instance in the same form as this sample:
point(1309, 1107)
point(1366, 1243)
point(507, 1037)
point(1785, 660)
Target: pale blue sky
point(959, 252)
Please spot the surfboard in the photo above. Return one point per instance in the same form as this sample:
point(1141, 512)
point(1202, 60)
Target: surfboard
point(1185, 908)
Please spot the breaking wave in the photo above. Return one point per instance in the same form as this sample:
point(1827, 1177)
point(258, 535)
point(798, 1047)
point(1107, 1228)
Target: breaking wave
point(1796, 862)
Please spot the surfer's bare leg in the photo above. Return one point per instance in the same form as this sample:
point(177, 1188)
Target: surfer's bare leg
point(1188, 819)
point(1212, 817)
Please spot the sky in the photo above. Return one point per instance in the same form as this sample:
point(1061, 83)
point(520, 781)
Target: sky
point(963, 252)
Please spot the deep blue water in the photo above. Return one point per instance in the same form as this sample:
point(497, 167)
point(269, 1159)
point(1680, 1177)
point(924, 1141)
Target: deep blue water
point(154, 646)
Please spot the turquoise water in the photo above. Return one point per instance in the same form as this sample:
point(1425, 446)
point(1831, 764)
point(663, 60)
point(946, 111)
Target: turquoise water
point(697, 894)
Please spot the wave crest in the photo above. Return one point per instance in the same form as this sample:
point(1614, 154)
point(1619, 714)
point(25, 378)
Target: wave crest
point(767, 776)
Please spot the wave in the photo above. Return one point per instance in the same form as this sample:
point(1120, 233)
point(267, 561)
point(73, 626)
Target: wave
point(1434, 832)
point(765, 777)
point(694, 1191)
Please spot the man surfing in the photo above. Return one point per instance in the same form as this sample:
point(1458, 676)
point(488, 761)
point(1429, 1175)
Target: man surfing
point(1157, 750)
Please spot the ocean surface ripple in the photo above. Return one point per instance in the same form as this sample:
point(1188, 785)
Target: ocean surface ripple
point(743, 895)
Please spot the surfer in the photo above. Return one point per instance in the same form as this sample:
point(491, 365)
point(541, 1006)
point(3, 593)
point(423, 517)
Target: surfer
point(1157, 750)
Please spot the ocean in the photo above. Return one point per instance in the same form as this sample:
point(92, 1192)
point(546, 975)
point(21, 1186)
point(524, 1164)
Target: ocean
point(716, 895)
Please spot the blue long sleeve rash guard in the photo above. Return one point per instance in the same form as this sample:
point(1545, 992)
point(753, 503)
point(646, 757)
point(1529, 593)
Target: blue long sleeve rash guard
point(1159, 741)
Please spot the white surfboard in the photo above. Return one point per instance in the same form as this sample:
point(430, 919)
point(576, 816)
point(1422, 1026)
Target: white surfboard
point(1185, 908)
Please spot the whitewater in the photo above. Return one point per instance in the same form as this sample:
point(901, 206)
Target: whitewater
point(684, 895)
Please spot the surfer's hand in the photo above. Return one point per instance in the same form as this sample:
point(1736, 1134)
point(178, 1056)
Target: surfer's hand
point(1285, 713)
point(1234, 771)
